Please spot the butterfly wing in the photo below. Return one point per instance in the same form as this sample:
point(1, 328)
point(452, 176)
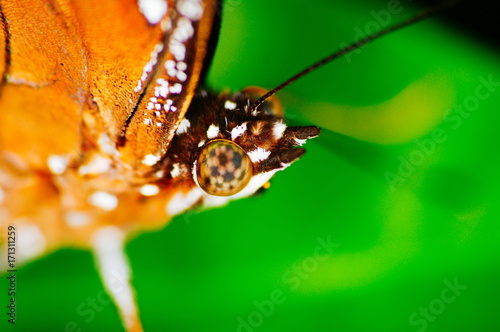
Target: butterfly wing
point(89, 70)
point(170, 86)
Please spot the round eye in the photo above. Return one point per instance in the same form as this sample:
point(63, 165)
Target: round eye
point(223, 168)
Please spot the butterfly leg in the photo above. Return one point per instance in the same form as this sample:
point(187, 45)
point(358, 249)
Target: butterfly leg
point(113, 266)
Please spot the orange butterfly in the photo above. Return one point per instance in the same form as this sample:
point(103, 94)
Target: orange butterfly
point(97, 141)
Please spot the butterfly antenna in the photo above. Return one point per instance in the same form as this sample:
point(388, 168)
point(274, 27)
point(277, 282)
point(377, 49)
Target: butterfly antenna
point(415, 19)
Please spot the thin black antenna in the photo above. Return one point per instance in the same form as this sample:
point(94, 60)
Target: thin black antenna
point(417, 18)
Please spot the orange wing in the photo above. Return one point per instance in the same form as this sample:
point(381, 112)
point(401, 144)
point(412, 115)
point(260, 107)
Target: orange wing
point(88, 70)
point(161, 107)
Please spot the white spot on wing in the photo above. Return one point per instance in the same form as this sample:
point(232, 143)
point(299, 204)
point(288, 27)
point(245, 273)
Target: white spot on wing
point(77, 219)
point(153, 10)
point(177, 49)
point(161, 90)
point(182, 66)
point(149, 66)
point(183, 126)
point(176, 88)
point(192, 9)
point(57, 164)
point(150, 159)
point(170, 67)
point(212, 131)
point(149, 190)
point(103, 200)
point(258, 154)
point(181, 76)
point(184, 30)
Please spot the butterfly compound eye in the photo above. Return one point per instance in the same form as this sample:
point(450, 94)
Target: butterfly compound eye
point(223, 168)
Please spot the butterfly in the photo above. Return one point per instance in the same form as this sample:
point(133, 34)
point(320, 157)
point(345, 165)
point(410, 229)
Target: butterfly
point(137, 160)
point(108, 146)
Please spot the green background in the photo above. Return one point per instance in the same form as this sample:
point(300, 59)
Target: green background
point(398, 244)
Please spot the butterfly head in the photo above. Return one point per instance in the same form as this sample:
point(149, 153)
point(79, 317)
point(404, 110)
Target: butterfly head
point(229, 149)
